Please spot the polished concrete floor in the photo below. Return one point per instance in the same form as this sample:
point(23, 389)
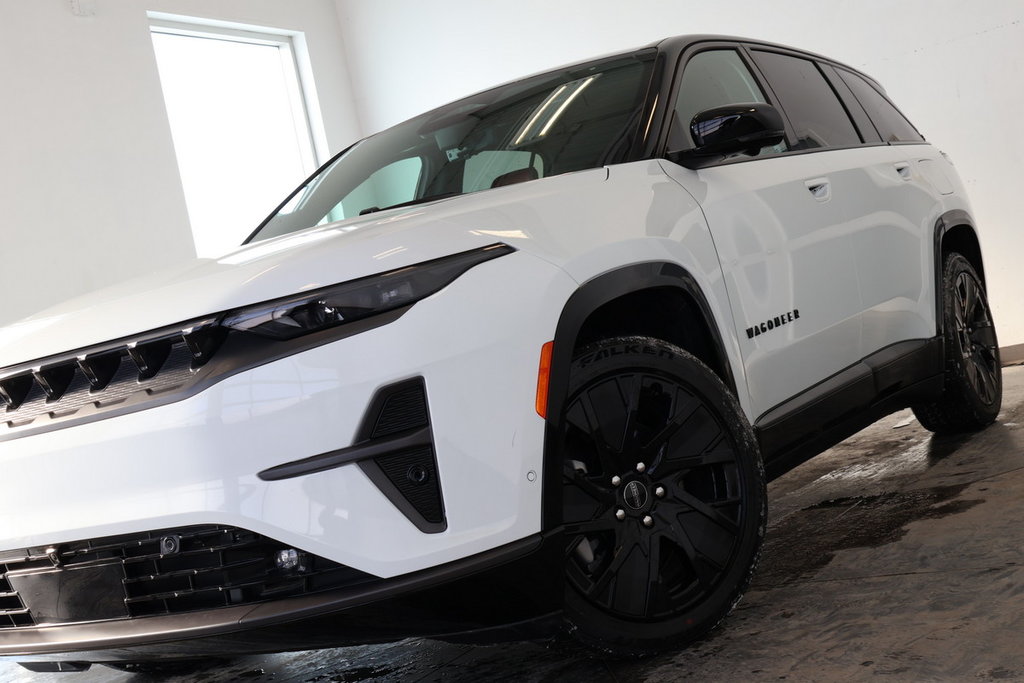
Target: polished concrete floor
point(895, 555)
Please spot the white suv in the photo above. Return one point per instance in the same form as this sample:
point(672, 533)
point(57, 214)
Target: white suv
point(513, 363)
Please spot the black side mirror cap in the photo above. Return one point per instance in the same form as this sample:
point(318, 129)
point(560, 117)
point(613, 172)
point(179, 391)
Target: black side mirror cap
point(731, 129)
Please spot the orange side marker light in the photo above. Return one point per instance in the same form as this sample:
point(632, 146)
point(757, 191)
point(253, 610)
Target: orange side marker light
point(543, 378)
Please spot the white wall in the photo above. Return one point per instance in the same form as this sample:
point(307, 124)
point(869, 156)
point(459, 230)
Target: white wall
point(952, 66)
point(89, 186)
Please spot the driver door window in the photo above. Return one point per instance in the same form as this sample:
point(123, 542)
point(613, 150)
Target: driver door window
point(713, 79)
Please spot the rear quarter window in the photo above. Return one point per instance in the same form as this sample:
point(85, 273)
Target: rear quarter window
point(891, 124)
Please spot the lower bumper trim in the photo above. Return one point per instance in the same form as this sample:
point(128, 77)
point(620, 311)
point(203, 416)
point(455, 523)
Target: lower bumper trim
point(432, 602)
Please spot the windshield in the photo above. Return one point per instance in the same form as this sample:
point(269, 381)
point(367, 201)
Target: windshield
point(563, 121)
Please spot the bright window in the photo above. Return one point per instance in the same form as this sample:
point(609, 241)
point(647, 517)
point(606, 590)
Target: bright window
point(240, 127)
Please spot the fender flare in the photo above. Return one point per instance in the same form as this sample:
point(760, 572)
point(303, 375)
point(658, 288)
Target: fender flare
point(589, 297)
point(946, 222)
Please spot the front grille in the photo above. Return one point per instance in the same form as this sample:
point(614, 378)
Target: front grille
point(106, 376)
point(169, 571)
point(12, 611)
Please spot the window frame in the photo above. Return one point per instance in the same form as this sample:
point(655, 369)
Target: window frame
point(672, 92)
point(678, 58)
point(818, 64)
point(302, 113)
point(874, 85)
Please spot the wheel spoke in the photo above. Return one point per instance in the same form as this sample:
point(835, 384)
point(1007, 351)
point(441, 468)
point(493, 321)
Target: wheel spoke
point(719, 452)
point(638, 579)
point(682, 416)
point(706, 569)
point(968, 297)
point(586, 484)
point(592, 526)
point(984, 379)
point(625, 542)
point(984, 334)
point(606, 453)
point(705, 510)
point(631, 398)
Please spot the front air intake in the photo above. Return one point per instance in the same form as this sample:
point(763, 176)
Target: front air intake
point(408, 476)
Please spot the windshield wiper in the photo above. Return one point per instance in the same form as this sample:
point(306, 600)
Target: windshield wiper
point(421, 200)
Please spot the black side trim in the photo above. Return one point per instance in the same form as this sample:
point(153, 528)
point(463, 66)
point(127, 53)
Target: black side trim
point(345, 456)
point(395, 449)
point(590, 296)
point(891, 379)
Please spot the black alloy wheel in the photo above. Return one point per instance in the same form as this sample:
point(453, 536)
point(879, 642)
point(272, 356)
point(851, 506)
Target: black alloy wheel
point(663, 497)
point(973, 388)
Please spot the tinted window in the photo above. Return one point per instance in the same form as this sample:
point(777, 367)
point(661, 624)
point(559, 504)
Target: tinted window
point(817, 115)
point(493, 168)
point(891, 124)
point(559, 122)
point(712, 79)
point(393, 184)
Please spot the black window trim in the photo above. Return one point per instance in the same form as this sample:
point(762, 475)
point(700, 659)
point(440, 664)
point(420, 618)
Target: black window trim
point(660, 111)
point(862, 121)
point(819, 64)
point(675, 81)
point(881, 91)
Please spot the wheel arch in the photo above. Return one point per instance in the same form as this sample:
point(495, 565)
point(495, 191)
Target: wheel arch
point(619, 303)
point(954, 232)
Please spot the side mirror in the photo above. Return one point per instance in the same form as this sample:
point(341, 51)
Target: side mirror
point(731, 129)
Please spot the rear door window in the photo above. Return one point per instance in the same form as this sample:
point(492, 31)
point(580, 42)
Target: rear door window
point(818, 117)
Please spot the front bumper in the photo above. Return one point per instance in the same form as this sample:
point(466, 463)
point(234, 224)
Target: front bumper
point(197, 461)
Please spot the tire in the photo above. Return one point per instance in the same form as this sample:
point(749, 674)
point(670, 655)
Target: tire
point(973, 388)
point(657, 554)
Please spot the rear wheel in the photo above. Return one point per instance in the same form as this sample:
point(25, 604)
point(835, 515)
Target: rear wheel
point(973, 389)
point(663, 497)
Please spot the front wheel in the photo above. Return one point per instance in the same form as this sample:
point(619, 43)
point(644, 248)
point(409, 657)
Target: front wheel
point(973, 389)
point(663, 497)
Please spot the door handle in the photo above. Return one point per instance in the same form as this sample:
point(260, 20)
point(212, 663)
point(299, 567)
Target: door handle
point(820, 189)
point(903, 169)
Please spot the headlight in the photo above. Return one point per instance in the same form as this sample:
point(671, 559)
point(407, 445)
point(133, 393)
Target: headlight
point(357, 299)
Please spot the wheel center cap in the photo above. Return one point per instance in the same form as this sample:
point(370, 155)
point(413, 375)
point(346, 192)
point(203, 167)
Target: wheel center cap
point(635, 495)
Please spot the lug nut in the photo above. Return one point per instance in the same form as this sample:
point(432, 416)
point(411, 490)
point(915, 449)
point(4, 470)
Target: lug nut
point(648, 520)
point(620, 515)
point(616, 480)
point(640, 467)
point(660, 492)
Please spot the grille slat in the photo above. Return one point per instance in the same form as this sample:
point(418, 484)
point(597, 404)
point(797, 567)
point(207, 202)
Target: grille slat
point(213, 567)
point(13, 612)
point(189, 572)
point(107, 375)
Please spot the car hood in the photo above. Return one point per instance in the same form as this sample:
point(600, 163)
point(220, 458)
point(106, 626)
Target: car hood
point(290, 264)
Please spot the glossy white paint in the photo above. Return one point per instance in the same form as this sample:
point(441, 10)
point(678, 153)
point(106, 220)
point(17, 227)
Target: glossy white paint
point(195, 461)
point(772, 247)
point(890, 238)
point(782, 250)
